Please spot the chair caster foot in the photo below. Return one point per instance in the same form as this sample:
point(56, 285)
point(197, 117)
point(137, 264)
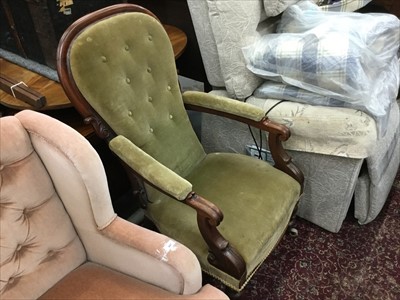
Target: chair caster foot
point(293, 232)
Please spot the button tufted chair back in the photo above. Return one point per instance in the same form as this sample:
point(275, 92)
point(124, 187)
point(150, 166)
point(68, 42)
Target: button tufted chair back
point(39, 244)
point(120, 60)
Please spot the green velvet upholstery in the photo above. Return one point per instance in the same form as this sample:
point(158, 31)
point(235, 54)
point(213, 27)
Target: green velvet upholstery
point(257, 201)
point(150, 169)
point(224, 104)
point(124, 66)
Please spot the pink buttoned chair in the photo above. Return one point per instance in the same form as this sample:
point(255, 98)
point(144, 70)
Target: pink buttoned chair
point(60, 237)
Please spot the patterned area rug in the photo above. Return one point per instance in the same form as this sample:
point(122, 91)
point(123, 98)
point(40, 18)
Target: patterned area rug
point(359, 262)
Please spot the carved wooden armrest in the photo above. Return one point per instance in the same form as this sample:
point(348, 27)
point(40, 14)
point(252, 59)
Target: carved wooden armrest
point(209, 216)
point(252, 116)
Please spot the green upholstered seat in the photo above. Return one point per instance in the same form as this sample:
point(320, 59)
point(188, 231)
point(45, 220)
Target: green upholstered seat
point(122, 64)
point(257, 201)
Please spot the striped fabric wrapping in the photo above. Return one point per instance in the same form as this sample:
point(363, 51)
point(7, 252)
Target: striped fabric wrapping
point(275, 7)
point(281, 91)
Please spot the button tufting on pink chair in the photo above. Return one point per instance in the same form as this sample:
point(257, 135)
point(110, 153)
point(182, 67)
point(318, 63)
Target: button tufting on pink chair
point(60, 237)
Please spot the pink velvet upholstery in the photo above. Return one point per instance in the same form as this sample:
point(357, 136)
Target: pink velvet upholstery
point(60, 237)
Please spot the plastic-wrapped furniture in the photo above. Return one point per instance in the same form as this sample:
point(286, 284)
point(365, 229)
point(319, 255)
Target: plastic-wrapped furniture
point(60, 237)
point(117, 67)
point(337, 149)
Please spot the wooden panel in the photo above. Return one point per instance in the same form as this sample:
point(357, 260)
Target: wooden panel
point(20, 25)
point(44, 30)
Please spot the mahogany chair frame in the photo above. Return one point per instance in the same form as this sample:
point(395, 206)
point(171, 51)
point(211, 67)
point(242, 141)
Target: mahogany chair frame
point(221, 254)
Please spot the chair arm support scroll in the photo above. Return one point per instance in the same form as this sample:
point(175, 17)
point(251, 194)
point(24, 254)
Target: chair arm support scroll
point(282, 159)
point(150, 169)
point(221, 254)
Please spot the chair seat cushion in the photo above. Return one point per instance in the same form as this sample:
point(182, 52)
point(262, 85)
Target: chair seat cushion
point(253, 225)
point(93, 281)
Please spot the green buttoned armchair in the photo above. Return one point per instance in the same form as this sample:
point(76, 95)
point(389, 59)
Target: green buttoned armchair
point(117, 67)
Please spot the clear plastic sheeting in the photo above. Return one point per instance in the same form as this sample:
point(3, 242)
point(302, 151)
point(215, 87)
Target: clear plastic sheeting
point(168, 247)
point(349, 59)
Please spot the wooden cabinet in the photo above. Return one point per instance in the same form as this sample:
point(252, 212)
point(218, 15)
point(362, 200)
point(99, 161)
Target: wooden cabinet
point(391, 6)
point(32, 28)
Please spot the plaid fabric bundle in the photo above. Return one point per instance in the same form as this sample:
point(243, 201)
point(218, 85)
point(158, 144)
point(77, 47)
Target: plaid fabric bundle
point(346, 59)
point(318, 63)
point(342, 5)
